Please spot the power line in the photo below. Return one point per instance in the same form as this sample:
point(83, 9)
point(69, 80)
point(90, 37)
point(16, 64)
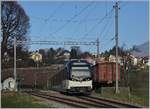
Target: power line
point(100, 21)
point(74, 16)
point(85, 19)
point(110, 40)
point(66, 20)
point(76, 8)
point(51, 15)
point(109, 24)
point(123, 4)
point(54, 12)
point(38, 18)
point(106, 6)
point(106, 44)
point(102, 31)
point(105, 26)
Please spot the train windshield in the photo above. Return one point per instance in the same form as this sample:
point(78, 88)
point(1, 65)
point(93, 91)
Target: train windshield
point(82, 72)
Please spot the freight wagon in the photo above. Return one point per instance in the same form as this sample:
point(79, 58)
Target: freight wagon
point(105, 74)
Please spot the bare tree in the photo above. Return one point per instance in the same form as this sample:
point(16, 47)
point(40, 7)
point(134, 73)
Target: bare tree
point(15, 23)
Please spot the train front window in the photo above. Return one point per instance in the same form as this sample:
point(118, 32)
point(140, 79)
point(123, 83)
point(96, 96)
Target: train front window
point(82, 72)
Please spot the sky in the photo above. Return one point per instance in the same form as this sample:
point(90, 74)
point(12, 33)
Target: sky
point(85, 21)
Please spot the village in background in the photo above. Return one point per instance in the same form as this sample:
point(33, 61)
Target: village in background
point(134, 58)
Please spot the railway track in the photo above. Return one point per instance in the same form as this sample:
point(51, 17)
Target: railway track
point(109, 103)
point(81, 101)
point(57, 99)
point(74, 102)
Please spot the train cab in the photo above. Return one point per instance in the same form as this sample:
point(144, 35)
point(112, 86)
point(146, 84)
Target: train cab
point(79, 77)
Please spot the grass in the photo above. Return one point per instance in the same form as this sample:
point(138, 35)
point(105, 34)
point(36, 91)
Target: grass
point(128, 98)
point(139, 82)
point(20, 100)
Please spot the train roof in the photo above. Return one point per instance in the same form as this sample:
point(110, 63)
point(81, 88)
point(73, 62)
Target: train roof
point(71, 61)
point(107, 62)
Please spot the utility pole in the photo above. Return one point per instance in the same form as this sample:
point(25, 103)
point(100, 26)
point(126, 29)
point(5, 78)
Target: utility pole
point(97, 47)
point(116, 38)
point(0, 66)
point(15, 75)
point(37, 63)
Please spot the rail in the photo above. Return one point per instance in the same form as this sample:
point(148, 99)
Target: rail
point(82, 101)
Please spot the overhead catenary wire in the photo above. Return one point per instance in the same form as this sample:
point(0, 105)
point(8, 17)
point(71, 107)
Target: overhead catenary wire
point(54, 12)
point(106, 6)
point(73, 17)
point(38, 18)
point(102, 37)
point(99, 22)
point(103, 30)
point(85, 19)
point(51, 15)
point(65, 20)
point(106, 22)
point(69, 42)
point(105, 45)
point(123, 4)
point(106, 29)
point(105, 26)
point(107, 36)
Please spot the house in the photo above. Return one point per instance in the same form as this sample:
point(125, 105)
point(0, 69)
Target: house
point(90, 60)
point(134, 60)
point(145, 59)
point(145, 62)
point(36, 57)
point(65, 54)
point(8, 84)
point(112, 58)
point(100, 59)
point(148, 63)
point(141, 62)
point(94, 55)
point(88, 57)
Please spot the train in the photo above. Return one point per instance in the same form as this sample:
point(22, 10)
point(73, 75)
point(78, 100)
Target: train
point(76, 77)
point(104, 74)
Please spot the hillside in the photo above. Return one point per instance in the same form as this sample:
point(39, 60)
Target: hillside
point(141, 50)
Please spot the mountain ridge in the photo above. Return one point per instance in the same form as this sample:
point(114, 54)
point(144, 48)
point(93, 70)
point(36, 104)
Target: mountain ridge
point(141, 50)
